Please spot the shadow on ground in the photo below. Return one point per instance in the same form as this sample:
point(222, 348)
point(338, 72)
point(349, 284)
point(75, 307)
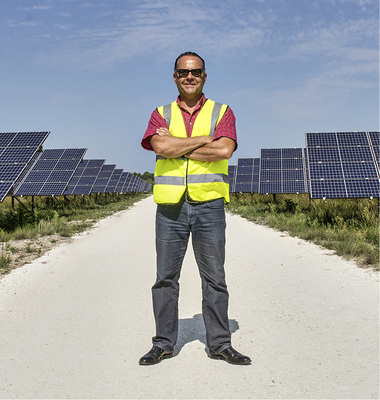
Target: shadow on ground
point(191, 329)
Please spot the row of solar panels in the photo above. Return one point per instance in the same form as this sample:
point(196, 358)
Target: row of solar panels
point(333, 165)
point(28, 170)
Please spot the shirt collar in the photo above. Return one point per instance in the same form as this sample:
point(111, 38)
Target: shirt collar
point(202, 101)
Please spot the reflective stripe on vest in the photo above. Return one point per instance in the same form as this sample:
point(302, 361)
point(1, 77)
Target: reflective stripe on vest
point(207, 178)
point(167, 111)
point(214, 117)
point(200, 178)
point(169, 180)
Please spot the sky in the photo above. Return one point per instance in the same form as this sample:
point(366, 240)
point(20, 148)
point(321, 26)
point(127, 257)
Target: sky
point(92, 72)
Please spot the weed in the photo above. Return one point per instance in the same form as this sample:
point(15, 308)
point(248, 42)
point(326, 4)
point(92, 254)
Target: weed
point(5, 258)
point(29, 248)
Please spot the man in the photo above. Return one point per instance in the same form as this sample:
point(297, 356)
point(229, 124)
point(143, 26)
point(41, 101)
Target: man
point(193, 138)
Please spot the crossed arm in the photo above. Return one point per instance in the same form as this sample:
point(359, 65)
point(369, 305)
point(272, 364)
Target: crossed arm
point(201, 148)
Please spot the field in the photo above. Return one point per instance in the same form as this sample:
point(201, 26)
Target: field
point(350, 227)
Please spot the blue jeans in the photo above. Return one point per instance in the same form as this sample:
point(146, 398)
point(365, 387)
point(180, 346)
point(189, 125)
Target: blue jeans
point(207, 224)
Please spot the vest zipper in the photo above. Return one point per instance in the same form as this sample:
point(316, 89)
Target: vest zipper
point(187, 170)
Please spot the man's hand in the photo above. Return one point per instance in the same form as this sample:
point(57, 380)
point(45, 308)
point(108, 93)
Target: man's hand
point(163, 132)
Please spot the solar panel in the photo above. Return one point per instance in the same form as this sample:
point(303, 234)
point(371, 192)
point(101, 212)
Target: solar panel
point(323, 154)
point(84, 177)
point(120, 184)
point(138, 184)
point(103, 178)
point(246, 175)
point(114, 180)
point(232, 177)
point(283, 171)
point(129, 183)
point(17, 149)
point(326, 171)
point(374, 138)
point(351, 139)
point(343, 164)
point(147, 187)
point(51, 173)
point(28, 139)
point(256, 175)
point(362, 188)
point(324, 140)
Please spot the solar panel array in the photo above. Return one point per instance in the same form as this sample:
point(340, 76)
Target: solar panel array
point(247, 175)
point(84, 177)
point(103, 178)
point(343, 164)
point(28, 170)
point(333, 165)
point(137, 185)
point(51, 173)
point(17, 149)
point(283, 171)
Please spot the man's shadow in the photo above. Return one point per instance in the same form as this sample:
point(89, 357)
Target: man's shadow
point(190, 329)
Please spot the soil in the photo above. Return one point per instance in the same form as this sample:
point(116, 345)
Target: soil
point(21, 252)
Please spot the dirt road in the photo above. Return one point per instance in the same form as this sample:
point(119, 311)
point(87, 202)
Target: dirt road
point(74, 323)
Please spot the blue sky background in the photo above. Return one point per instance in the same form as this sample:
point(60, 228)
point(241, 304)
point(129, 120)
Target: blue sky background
point(91, 72)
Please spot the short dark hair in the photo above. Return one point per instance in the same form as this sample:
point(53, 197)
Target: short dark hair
point(189, 53)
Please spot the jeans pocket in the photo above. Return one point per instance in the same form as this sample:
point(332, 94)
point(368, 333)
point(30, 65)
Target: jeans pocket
point(219, 203)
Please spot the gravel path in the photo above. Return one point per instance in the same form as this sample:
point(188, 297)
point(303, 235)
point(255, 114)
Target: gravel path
point(74, 323)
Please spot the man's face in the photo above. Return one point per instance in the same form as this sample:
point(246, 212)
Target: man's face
point(190, 86)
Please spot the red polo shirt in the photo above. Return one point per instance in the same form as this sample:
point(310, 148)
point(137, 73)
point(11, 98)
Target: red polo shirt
point(225, 128)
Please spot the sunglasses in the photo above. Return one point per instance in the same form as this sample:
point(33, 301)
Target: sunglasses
point(182, 73)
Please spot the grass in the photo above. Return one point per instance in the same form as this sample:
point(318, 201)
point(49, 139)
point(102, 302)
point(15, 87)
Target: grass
point(350, 227)
point(5, 258)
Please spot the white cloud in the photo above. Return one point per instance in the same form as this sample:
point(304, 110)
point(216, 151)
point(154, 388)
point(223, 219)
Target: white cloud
point(36, 8)
point(159, 25)
point(338, 52)
point(63, 14)
point(62, 26)
point(13, 23)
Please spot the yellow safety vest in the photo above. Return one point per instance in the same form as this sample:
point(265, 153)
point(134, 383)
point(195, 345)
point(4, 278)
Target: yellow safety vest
point(204, 181)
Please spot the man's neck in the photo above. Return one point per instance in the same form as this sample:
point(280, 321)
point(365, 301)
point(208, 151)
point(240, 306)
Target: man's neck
point(189, 104)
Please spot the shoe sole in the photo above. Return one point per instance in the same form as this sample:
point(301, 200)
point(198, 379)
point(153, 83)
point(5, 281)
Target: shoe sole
point(217, 357)
point(167, 355)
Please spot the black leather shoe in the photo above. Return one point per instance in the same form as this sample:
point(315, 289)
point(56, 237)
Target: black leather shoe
point(231, 356)
point(155, 356)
